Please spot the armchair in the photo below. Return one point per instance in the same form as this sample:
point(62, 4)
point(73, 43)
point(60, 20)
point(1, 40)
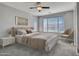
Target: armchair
point(68, 35)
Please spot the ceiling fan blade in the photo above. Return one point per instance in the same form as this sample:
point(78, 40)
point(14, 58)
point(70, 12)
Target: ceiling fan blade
point(38, 3)
point(46, 7)
point(33, 7)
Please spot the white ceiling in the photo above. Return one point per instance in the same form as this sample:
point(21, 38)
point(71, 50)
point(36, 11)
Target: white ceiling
point(55, 7)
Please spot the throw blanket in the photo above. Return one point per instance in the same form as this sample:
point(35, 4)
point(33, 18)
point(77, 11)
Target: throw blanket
point(43, 41)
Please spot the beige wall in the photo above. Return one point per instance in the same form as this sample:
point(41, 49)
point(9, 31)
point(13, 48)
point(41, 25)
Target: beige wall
point(68, 19)
point(7, 18)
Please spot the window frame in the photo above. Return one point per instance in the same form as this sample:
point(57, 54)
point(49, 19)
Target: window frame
point(57, 23)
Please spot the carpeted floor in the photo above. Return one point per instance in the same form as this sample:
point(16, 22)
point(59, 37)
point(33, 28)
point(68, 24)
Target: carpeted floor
point(61, 49)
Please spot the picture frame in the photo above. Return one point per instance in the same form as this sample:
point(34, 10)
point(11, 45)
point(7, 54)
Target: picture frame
point(21, 20)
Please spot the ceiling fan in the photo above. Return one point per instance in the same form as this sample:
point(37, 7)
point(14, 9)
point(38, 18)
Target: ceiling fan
point(39, 7)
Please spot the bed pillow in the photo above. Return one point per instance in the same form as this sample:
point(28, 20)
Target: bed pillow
point(21, 32)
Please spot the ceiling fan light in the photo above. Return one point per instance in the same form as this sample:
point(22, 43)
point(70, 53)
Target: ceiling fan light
point(39, 8)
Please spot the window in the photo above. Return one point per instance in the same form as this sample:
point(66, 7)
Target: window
point(61, 24)
point(54, 24)
point(35, 25)
point(45, 25)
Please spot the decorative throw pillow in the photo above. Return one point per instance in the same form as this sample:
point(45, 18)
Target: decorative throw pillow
point(29, 31)
point(21, 32)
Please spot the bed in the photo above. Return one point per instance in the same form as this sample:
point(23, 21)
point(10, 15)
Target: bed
point(38, 40)
point(23, 39)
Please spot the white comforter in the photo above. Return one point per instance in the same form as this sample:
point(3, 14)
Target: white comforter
point(44, 41)
point(38, 40)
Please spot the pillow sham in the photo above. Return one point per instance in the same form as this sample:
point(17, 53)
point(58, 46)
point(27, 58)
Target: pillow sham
point(21, 32)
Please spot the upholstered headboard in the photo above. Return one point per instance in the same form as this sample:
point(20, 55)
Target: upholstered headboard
point(23, 27)
point(19, 30)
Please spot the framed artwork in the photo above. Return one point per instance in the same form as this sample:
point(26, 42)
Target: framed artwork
point(21, 20)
